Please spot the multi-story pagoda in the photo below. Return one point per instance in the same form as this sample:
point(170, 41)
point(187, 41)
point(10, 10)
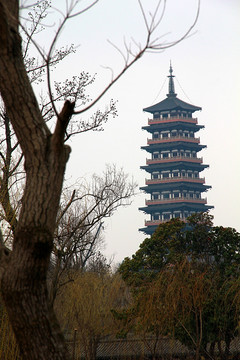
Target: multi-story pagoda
point(174, 182)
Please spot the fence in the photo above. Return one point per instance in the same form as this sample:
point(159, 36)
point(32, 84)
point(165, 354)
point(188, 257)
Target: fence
point(122, 349)
point(164, 349)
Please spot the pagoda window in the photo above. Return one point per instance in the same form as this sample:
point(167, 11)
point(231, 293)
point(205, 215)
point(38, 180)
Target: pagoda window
point(165, 174)
point(177, 214)
point(166, 195)
point(167, 216)
point(156, 115)
point(183, 173)
point(155, 175)
point(175, 173)
point(156, 216)
point(185, 133)
point(174, 133)
point(188, 153)
point(176, 194)
point(165, 154)
point(189, 174)
point(191, 134)
point(155, 135)
point(196, 174)
point(191, 194)
point(165, 134)
point(194, 154)
point(155, 155)
point(155, 196)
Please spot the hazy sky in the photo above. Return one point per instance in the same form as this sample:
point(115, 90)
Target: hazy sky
point(206, 66)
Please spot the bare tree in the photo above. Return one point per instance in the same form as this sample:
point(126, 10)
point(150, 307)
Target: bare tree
point(12, 173)
point(77, 237)
point(24, 270)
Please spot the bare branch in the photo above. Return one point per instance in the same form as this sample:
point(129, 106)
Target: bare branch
point(64, 210)
point(150, 44)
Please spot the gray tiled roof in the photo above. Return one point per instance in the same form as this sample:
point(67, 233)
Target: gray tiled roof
point(136, 348)
point(132, 348)
point(171, 103)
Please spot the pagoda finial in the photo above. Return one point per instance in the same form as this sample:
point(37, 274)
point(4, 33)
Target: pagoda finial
point(171, 90)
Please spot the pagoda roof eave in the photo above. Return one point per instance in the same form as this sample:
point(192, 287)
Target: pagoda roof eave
point(155, 187)
point(172, 145)
point(171, 103)
point(153, 127)
point(168, 207)
point(148, 230)
point(168, 166)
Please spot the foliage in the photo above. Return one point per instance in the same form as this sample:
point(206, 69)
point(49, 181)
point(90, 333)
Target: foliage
point(185, 281)
point(154, 253)
point(86, 307)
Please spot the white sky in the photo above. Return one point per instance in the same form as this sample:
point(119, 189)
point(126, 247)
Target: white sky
point(207, 67)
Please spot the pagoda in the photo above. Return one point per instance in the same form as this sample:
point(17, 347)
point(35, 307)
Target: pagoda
point(174, 182)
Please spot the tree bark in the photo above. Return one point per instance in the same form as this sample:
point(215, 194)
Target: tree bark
point(23, 279)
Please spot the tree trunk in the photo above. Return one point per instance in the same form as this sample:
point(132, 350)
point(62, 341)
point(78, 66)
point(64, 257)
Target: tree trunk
point(23, 272)
point(25, 295)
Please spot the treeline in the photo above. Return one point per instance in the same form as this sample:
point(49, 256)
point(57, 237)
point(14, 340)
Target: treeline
point(183, 283)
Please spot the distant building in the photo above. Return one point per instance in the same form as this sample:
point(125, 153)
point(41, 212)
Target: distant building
point(174, 182)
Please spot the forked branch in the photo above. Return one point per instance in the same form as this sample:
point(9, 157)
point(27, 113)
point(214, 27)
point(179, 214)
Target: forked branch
point(152, 43)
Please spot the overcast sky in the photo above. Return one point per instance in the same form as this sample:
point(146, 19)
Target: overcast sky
point(206, 66)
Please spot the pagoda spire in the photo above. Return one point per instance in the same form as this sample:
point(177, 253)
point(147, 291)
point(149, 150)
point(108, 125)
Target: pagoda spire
point(171, 83)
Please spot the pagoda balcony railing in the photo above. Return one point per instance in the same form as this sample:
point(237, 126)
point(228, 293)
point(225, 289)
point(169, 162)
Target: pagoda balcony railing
point(174, 159)
point(172, 119)
point(158, 222)
point(175, 200)
point(174, 179)
point(173, 139)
